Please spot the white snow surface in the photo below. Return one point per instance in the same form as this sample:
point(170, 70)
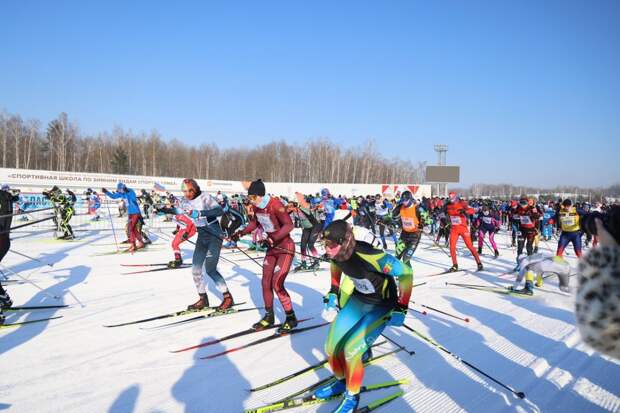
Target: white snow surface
point(74, 364)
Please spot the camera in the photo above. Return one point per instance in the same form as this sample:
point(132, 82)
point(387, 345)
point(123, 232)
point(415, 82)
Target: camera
point(609, 218)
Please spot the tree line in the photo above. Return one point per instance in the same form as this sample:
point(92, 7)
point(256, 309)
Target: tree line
point(60, 146)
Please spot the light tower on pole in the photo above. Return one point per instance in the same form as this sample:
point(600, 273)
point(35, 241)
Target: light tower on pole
point(441, 161)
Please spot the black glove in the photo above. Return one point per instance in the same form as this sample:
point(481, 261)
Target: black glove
point(104, 190)
point(185, 235)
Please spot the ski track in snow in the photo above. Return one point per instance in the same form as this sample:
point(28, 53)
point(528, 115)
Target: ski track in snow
point(74, 364)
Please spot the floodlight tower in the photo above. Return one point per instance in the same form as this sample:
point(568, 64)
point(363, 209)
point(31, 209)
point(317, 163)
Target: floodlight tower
point(441, 161)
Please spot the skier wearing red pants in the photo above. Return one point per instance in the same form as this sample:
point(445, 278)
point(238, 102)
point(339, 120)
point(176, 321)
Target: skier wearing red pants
point(457, 211)
point(271, 216)
point(185, 230)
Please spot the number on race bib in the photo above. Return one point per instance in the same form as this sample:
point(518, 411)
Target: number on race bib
point(408, 223)
point(455, 220)
point(265, 222)
point(363, 285)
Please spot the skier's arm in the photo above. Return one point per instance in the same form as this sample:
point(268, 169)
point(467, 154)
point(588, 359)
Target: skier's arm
point(251, 227)
point(113, 195)
point(286, 225)
point(336, 275)
point(396, 268)
point(212, 212)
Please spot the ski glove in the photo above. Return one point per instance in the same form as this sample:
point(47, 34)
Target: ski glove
point(267, 243)
point(331, 301)
point(397, 317)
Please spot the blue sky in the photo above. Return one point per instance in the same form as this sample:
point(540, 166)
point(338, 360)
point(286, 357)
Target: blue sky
point(526, 92)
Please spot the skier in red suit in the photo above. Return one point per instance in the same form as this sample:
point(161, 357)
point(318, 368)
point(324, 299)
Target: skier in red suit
point(457, 211)
point(271, 216)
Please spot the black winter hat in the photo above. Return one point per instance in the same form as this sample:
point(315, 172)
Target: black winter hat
point(257, 188)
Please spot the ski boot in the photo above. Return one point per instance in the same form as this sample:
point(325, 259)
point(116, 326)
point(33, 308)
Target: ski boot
point(147, 240)
point(301, 267)
point(331, 389)
point(227, 302)
point(527, 290)
point(479, 250)
point(289, 324)
point(5, 300)
point(536, 250)
point(202, 303)
point(178, 261)
point(496, 253)
point(125, 242)
point(367, 355)
point(266, 322)
point(316, 265)
point(480, 267)
point(348, 404)
point(252, 247)
point(539, 280)
point(2, 317)
point(454, 268)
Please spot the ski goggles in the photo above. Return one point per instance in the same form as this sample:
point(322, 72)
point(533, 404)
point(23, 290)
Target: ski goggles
point(332, 248)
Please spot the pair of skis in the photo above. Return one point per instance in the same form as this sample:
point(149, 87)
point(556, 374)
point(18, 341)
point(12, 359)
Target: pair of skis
point(231, 336)
point(294, 400)
point(312, 400)
point(497, 290)
point(31, 308)
point(152, 267)
point(207, 312)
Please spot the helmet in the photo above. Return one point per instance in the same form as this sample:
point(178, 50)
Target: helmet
point(121, 187)
point(406, 198)
point(324, 193)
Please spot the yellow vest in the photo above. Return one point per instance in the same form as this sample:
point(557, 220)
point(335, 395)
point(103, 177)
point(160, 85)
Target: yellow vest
point(569, 219)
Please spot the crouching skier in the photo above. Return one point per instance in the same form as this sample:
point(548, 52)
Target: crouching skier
point(375, 303)
point(534, 266)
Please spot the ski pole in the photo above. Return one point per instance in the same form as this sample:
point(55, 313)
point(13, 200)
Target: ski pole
point(411, 353)
point(440, 247)
point(31, 258)
point(55, 297)
point(242, 251)
point(193, 243)
point(25, 212)
point(466, 319)
point(472, 285)
point(418, 285)
point(519, 394)
point(107, 204)
point(25, 225)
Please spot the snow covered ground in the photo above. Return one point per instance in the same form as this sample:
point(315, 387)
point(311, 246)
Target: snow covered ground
point(74, 364)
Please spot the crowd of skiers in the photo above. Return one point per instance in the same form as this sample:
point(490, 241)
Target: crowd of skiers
point(353, 233)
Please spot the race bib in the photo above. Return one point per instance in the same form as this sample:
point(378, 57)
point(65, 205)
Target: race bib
point(265, 222)
point(487, 220)
point(408, 223)
point(363, 285)
point(455, 220)
point(568, 221)
point(525, 220)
